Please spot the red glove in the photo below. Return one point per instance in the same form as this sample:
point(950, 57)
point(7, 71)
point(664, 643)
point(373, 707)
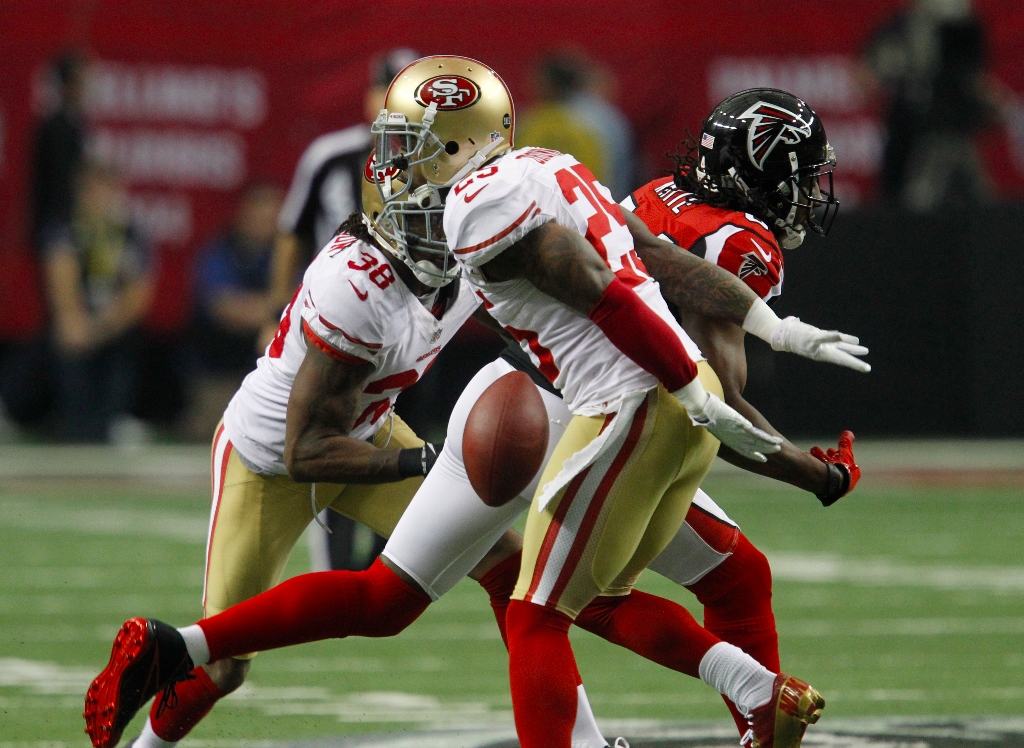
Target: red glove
point(843, 472)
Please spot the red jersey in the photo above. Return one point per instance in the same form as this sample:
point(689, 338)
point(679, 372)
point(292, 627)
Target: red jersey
point(736, 241)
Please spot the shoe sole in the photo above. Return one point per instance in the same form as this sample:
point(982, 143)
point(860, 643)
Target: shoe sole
point(102, 700)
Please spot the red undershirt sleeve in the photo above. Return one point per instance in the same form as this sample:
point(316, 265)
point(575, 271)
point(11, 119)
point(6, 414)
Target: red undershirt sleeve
point(644, 337)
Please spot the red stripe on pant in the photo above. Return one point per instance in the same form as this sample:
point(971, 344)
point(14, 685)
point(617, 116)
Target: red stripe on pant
point(553, 529)
point(582, 538)
point(556, 522)
point(216, 511)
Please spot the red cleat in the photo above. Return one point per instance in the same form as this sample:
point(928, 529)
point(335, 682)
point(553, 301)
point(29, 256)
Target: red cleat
point(147, 657)
point(782, 721)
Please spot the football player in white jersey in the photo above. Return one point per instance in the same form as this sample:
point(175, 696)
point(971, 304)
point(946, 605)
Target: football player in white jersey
point(416, 218)
point(555, 262)
point(312, 427)
point(709, 555)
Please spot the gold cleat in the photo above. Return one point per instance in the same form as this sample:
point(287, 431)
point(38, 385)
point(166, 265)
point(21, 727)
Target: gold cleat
point(782, 721)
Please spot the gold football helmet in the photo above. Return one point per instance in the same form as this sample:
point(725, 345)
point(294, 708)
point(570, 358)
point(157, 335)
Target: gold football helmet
point(443, 118)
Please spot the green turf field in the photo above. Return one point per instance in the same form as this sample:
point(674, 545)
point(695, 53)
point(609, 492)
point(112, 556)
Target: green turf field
point(897, 601)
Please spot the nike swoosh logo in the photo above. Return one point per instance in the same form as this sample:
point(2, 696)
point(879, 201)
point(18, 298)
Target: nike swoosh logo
point(469, 197)
point(766, 255)
point(362, 296)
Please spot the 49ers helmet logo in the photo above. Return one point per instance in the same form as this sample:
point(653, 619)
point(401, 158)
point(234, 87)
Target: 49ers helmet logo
point(450, 92)
point(769, 126)
point(374, 173)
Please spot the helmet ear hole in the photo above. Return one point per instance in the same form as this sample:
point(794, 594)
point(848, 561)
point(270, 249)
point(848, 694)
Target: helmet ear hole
point(451, 147)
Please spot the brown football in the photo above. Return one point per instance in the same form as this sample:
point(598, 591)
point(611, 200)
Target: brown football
point(506, 438)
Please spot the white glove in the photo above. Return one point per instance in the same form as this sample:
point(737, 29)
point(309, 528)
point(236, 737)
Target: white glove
point(832, 346)
point(732, 429)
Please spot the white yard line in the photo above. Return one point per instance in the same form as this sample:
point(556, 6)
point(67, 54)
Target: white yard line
point(831, 569)
point(64, 516)
point(905, 627)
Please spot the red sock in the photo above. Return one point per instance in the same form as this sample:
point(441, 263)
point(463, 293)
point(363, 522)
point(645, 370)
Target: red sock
point(737, 600)
point(196, 698)
point(653, 627)
point(311, 607)
point(500, 582)
point(543, 675)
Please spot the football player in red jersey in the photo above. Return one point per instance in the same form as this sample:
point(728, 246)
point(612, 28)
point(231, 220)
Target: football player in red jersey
point(751, 185)
point(611, 310)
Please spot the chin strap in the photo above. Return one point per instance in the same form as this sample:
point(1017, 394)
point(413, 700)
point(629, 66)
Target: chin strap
point(792, 236)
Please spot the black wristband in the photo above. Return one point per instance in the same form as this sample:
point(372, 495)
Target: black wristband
point(417, 460)
point(838, 484)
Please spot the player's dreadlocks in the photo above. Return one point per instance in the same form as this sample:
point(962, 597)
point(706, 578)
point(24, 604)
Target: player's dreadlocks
point(721, 193)
point(354, 225)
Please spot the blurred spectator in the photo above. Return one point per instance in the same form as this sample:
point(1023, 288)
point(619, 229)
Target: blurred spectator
point(26, 389)
point(59, 147)
point(99, 286)
point(574, 114)
point(931, 60)
point(232, 302)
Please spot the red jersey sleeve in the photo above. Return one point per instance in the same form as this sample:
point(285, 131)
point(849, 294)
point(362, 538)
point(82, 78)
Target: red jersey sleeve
point(750, 257)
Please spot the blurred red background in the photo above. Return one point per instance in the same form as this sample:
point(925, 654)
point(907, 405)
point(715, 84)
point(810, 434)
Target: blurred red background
point(191, 99)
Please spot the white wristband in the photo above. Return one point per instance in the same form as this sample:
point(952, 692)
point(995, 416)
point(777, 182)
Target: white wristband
point(761, 321)
point(693, 397)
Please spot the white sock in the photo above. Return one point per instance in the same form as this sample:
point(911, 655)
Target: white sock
point(585, 733)
point(149, 739)
point(195, 643)
point(738, 676)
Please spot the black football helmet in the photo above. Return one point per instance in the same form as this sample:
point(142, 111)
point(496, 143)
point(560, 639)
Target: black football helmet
point(772, 147)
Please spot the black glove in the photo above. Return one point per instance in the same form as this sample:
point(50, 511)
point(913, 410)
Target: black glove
point(838, 484)
point(418, 460)
point(843, 472)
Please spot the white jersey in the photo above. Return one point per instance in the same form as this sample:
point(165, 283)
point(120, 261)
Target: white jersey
point(497, 206)
point(353, 307)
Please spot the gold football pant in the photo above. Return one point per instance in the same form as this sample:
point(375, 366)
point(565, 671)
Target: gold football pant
point(256, 520)
point(601, 531)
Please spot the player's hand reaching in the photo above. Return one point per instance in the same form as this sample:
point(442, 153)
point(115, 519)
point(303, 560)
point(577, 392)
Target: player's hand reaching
point(843, 472)
point(731, 428)
point(832, 346)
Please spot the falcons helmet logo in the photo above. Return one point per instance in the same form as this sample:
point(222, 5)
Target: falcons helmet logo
point(770, 125)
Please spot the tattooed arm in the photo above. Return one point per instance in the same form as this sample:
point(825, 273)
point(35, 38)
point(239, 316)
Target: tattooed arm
point(559, 262)
point(562, 264)
point(688, 281)
point(321, 411)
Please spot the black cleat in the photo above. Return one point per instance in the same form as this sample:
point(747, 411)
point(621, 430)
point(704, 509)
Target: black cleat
point(147, 657)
